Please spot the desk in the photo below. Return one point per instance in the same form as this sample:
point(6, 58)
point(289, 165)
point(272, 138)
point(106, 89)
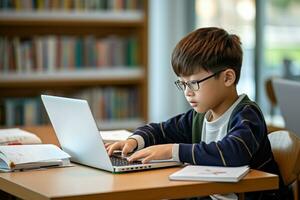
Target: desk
point(81, 182)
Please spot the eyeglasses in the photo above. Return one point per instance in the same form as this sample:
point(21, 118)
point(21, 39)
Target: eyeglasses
point(194, 85)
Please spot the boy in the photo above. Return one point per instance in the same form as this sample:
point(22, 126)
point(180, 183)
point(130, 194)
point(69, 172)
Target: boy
point(223, 128)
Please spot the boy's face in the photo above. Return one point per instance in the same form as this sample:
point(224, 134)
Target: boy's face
point(206, 94)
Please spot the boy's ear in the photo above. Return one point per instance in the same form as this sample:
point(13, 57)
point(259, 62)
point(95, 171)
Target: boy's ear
point(229, 77)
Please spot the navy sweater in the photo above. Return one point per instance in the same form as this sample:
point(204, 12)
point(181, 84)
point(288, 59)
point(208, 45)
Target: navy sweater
point(246, 142)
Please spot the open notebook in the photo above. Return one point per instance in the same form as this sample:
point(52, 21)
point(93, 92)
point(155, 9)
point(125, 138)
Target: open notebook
point(25, 157)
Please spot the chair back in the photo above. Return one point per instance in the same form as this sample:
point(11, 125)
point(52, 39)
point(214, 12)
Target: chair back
point(270, 91)
point(286, 150)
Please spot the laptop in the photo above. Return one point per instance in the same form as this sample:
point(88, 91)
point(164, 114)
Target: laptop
point(287, 93)
point(79, 136)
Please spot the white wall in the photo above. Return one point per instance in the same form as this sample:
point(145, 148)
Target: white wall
point(169, 21)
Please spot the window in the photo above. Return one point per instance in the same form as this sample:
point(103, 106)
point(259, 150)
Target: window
point(281, 44)
point(235, 16)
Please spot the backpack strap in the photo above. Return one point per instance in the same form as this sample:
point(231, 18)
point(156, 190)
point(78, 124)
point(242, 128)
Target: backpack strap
point(198, 119)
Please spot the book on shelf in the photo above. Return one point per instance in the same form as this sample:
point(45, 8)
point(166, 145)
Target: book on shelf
point(27, 157)
point(22, 111)
point(210, 173)
point(52, 53)
point(115, 135)
point(107, 104)
point(113, 103)
point(71, 5)
point(13, 136)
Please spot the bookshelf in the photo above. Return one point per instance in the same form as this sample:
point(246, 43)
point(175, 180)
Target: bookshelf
point(75, 49)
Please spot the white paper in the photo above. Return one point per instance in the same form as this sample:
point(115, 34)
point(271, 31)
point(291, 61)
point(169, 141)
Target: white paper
point(115, 135)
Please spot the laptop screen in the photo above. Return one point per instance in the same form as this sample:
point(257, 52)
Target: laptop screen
point(288, 97)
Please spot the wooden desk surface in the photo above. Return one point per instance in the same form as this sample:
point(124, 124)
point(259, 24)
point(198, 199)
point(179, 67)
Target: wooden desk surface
point(46, 133)
point(81, 182)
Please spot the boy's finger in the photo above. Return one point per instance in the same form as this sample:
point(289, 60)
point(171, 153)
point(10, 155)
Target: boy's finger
point(147, 159)
point(108, 148)
point(107, 144)
point(126, 149)
point(112, 148)
point(137, 155)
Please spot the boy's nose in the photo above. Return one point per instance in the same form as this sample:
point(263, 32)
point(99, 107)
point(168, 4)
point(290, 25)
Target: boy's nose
point(188, 91)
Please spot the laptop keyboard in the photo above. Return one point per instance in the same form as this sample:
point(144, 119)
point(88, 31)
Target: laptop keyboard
point(122, 161)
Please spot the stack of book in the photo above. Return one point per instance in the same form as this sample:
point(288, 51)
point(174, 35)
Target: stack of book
point(22, 150)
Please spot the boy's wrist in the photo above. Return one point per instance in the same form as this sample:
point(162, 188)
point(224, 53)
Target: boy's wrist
point(175, 152)
point(135, 143)
point(140, 141)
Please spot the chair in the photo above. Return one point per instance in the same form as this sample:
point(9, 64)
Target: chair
point(273, 104)
point(286, 150)
point(270, 95)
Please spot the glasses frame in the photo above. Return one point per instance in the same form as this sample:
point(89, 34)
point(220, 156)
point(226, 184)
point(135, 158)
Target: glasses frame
point(188, 83)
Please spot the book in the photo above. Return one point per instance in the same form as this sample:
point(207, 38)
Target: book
point(115, 135)
point(14, 136)
point(210, 173)
point(25, 157)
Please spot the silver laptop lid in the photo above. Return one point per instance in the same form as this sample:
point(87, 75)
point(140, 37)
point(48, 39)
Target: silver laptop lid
point(288, 97)
point(77, 131)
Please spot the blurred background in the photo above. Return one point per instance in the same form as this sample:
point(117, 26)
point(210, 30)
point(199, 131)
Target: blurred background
point(269, 31)
point(116, 54)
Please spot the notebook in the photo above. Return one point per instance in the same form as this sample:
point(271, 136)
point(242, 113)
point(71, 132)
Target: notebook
point(287, 93)
point(210, 173)
point(79, 136)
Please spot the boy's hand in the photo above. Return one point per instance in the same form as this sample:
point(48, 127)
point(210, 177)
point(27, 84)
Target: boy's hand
point(126, 146)
point(156, 152)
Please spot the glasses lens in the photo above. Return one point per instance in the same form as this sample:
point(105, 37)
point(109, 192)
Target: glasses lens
point(180, 85)
point(193, 85)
